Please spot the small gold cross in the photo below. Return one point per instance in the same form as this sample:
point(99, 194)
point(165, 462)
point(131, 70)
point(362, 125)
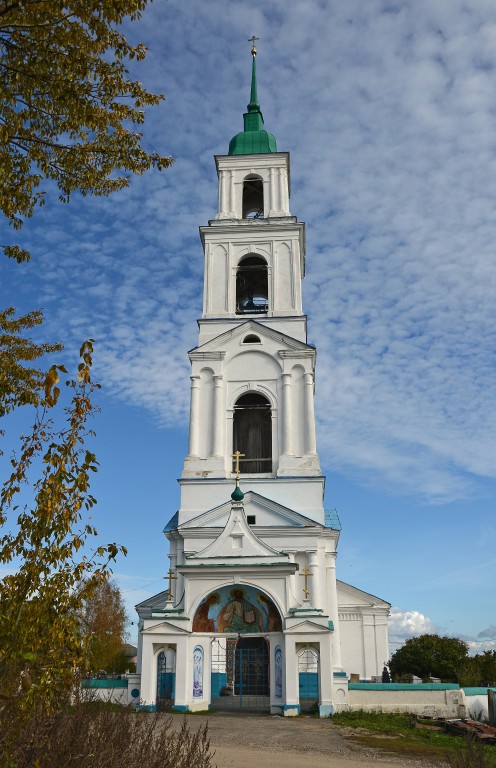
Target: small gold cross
point(171, 579)
point(306, 574)
point(253, 40)
point(236, 456)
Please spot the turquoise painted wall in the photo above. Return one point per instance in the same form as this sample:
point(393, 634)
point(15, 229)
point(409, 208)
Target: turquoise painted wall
point(403, 686)
point(104, 683)
point(219, 681)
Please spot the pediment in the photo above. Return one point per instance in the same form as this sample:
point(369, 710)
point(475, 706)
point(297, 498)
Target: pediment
point(352, 597)
point(164, 628)
point(237, 540)
point(306, 626)
point(267, 513)
point(227, 338)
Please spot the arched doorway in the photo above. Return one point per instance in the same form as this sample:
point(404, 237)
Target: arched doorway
point(241, 673)
point(252, 433)
point(166, 678)
point(308, 679)
point(240, 618)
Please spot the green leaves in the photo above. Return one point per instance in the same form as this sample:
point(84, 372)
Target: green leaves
point(68, 108)
point(49, 543)
point(430, 656)
point(21, 384)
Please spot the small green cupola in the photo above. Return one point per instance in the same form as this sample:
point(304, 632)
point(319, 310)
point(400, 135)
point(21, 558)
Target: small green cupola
point(254, 139)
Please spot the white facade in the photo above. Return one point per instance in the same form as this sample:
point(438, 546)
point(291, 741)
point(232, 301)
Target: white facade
point(238, 564)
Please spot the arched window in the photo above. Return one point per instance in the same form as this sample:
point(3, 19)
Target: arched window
point(252, 286)
point(253, 202)
point(251, 339)
point(252, 433)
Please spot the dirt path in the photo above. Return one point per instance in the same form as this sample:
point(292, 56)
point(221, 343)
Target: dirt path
point(242, 741)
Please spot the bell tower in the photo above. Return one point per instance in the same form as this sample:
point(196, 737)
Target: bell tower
point(252, 382)
point(252, 577)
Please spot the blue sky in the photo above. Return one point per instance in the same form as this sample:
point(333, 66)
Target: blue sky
point(389, 111)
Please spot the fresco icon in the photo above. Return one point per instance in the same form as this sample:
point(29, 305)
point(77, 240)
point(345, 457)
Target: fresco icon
point(238, 609)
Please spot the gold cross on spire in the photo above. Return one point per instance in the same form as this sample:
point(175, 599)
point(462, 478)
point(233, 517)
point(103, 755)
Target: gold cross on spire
point(306, 575)
point(171, 579)
point(236, 456)
point(253, 40)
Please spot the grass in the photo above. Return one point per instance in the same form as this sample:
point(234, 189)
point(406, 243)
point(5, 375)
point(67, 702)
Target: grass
point(394, 734)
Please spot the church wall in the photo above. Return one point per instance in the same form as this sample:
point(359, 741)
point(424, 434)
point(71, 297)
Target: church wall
point(199, 495)
point(224, 249)
point(294, 327)
point(363, 635)
point(272, 168)
point(216, 282)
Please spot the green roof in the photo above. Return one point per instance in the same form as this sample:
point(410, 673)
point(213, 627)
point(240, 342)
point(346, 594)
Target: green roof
point(254, 139)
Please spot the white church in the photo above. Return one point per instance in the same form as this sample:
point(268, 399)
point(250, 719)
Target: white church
point(254, 617)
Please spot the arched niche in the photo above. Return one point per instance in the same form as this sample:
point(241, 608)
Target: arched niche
point(252, 286)
point(252, 433)
point(240, 608)
point(253, 197)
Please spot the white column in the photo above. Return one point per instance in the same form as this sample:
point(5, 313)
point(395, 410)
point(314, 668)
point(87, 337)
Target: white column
point(292, 599)
point(286, 414)
point(291, 692)
point(148, 673)
point(311, 440)
point(315, 587)
point(229, 441)
point(180, 578)
point(325, 677)
point(272, 201)
point(333, 605)
point(232, 201)
point(194, 417)
point(217, 436)
point(281, 190)
point(183, 694)
point(222, 193)
point(285, 192)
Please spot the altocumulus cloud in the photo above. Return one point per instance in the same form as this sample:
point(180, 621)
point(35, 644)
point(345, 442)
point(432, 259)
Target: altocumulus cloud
point(388, 109)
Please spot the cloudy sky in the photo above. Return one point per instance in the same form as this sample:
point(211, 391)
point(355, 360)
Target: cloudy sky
point(389, 112)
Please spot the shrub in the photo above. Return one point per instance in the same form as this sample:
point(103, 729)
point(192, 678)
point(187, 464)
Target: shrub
point(92, 736)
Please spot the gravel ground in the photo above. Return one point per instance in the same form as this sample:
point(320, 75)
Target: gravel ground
point(242, 741)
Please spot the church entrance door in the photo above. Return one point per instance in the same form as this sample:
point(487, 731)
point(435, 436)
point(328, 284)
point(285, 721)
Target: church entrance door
point(244, 680)
point(165, 680)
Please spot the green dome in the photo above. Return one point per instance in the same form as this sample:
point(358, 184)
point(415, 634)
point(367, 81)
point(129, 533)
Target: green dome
point(254, 139)
point(237, 494)
point(252, 143)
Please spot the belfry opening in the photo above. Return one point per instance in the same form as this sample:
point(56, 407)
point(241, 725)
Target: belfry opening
point(252, 433)
point(252, 286)
point(253, 197)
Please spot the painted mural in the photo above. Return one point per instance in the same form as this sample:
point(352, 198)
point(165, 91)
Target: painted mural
point(240, 609)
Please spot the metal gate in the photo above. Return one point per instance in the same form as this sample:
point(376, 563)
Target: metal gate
point(165, 679)
point(240, 674)
point(308, 678)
